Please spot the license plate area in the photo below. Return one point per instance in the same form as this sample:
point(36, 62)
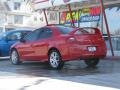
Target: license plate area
point(91, 49)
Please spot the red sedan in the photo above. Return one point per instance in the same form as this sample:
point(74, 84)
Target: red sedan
point(57, 44)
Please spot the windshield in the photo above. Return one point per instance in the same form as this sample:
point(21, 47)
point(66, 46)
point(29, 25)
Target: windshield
point(2, 35)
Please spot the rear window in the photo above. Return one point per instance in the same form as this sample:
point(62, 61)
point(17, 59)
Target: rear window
point(85, 31)
point(89, 30)
point(65, 30)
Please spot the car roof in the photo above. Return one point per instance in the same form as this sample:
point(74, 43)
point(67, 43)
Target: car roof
point(11, 31)
point(59, 25)
point(17, 31)
point(62, 29)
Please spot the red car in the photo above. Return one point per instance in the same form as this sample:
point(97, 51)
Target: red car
point(57, 44)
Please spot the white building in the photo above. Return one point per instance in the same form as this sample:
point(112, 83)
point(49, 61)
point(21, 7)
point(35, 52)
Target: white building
point(14, 14)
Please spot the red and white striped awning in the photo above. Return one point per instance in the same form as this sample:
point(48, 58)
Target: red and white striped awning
point(44, 4)
point(41, 4)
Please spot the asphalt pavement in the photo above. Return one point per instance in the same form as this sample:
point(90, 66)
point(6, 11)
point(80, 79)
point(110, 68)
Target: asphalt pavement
point(75, 75)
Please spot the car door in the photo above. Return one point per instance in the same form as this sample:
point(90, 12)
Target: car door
point(41, 45)
point(26, 49)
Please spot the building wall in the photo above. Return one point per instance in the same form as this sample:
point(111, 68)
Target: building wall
point(14, 16)
point(30, 18)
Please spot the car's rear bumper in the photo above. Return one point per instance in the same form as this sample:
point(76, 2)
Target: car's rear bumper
point(87, 56)
point(92, 56)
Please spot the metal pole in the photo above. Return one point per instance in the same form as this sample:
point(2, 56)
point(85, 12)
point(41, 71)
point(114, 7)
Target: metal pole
point(4, 28)
point(101, 20)
point(59, 18)
point(72, 21)
point(107, 27)
point(78, 18)
point(45, 17)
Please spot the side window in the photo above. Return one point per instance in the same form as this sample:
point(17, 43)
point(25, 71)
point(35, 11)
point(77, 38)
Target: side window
point(14, 36)
point(45, 33)
point(32, 36)
point(78, 32)
point(24, 34)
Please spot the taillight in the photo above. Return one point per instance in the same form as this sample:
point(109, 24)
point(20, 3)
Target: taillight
point(97, 31)
point(92, 32)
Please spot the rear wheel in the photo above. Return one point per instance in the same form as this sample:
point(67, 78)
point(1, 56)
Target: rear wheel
point(91, 62)
point(55, 60)
point(14, 57)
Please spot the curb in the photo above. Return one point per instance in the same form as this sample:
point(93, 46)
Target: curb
point(112, 58)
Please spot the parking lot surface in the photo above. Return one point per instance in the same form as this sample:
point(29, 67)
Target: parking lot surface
point(74, 76)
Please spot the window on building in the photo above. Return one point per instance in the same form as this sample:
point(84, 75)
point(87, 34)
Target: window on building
point(18, 19)
point(17, 5)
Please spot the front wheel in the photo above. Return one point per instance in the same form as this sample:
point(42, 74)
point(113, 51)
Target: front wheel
point(14, 57)
point(55, 60)
point(91, 62)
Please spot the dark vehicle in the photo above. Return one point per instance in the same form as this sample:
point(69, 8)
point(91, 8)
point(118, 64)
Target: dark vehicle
point(8, 38)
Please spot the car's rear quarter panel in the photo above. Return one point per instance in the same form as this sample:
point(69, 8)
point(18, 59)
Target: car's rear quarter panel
point(92, 40)
point(60, 44)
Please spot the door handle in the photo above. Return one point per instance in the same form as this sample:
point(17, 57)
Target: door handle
point(38, 45)
point(35, 45)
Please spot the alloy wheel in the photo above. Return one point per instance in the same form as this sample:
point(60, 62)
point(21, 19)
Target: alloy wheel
point(14, 57)
point(55, 60)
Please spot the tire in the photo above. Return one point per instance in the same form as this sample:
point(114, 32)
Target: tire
point(91, 62)
point(14, 57)
point(55, 60)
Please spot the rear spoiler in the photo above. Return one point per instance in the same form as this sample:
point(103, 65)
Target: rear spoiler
point(96, 30)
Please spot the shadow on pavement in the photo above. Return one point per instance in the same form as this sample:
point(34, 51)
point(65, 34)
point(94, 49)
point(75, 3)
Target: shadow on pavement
point(75, 71)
